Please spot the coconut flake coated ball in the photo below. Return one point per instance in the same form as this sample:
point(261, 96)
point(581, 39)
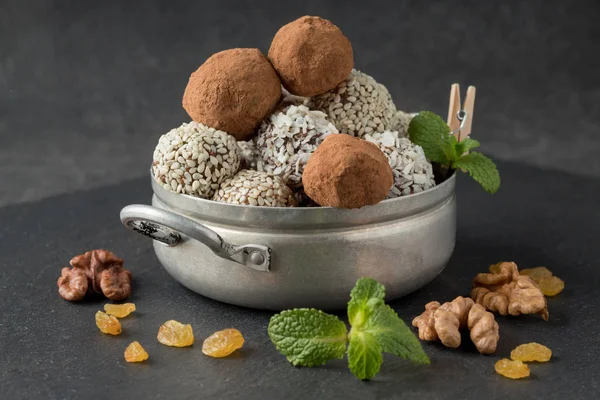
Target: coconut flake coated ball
point(347, 172)
point(194, 159)
point(248, 154)
point(233, 91)
point(311, 56)
point(412, 172)
point(286, 140)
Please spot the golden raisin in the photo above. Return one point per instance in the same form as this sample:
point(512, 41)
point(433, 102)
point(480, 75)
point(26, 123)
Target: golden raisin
point(495, 268)
point(223, 343)
point(512, 369)
point(536, 273)
point(531, 352)
point(135, 353)
point(107, 323)
point(119, 310)
point(176, 334)
point(551, 285)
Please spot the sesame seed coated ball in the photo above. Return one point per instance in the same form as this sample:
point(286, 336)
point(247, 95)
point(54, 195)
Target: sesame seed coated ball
point(194, 159)
point(358, 105)
point(286, 140)
point(412, 172)
point(255, 188)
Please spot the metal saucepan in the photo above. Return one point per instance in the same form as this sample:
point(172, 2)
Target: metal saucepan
point(278, 258)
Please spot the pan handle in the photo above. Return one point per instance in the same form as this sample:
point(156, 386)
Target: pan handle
point(171, 229)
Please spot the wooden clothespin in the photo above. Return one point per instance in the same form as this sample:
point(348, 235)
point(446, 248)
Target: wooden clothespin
point(460, 119)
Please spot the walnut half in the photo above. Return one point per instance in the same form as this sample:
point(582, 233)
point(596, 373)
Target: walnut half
point(72, 284)
point(507, 292)
point(97, 271)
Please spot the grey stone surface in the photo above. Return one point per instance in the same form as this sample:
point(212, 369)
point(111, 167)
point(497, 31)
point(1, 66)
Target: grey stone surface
point(86, 88)
point(51, 349)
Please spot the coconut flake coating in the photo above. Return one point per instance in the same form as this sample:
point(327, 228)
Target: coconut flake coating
point(412, 172)
point(357, 106)
point(291, 99)
point(194, 159)
point(286, 140)
point(249, 154)
point(255, 188)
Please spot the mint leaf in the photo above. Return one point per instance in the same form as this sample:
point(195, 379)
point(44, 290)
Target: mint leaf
point(364, 356)
point(394, 336)
point(376, 328)
point(364, 296)
point(466, 145)
point(482, 169)
point(430, 132)
point(308, 337)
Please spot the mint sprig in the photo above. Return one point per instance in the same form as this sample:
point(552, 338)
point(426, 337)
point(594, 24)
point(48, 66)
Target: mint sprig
point(432, 133)
point(309, 337)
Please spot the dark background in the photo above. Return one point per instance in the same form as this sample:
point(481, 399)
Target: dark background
point(87, 87)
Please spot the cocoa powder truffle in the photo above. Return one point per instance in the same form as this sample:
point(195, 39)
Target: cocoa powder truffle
point(311, 56)
point(233, 91)
point(347, 172)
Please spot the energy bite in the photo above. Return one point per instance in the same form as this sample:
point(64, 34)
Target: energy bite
point(412, 172)
point(311, 56)
point(358, 106)
point(256, 188)
point(248, 154)
point(194, 159)
point(286, 140)
point(347, 172)
point(233, 91)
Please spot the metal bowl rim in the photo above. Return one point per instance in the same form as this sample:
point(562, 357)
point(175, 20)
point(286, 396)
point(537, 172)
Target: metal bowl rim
point(315, 217)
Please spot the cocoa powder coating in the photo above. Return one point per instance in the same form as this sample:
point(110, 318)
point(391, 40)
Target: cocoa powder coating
point(347, 172)
point(311, 56)
point(233, 91)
